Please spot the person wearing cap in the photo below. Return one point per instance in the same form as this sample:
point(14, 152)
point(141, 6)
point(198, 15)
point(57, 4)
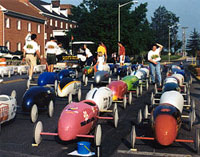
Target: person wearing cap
point(30, 50)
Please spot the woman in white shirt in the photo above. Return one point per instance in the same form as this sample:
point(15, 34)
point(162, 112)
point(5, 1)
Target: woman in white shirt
point(154, 62)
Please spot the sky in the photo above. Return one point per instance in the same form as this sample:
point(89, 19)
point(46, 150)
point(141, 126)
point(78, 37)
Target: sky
point(187, 10)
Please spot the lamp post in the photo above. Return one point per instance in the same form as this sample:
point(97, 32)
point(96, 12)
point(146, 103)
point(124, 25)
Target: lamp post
point(169, 53)
point(119, 6)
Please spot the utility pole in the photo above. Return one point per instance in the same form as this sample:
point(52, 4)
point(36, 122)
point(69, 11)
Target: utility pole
point(184, 41)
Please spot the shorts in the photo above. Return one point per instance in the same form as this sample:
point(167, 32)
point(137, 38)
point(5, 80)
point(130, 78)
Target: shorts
point(31, 59)
point(51, 59)
point(121, 59)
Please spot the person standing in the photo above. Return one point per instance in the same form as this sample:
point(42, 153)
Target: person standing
point(51, 50)
point(121, 53)
point(154, 62)
point(30, 50)
point(102, 50)
point(89, 56)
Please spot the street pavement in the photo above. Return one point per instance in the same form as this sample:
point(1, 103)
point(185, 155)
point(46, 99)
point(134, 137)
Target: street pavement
point(16, 136)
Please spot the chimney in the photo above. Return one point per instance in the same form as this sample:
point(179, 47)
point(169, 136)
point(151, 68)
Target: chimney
point(55, 3)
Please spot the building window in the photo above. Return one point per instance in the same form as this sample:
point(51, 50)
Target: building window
point(19, 46)
point(66, 25)
point(45, 36)
point(29, 27)
point(56, 23)
point(8, 45)
point(7, 23)
point(61, 25)
point(38, 28)
point(51, 22)
point(18, 25)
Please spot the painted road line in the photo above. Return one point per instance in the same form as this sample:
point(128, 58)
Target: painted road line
point(13, 81)
point(152, 153)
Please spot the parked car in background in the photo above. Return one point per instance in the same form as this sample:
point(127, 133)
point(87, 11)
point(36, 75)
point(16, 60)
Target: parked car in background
point(5, 53)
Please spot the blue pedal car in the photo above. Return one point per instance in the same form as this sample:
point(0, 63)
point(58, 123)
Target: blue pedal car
point(38, 98)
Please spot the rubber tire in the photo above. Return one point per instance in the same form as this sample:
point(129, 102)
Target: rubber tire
point(51, 109)
point(79, 94)
point(38, 128)
point(34, 113)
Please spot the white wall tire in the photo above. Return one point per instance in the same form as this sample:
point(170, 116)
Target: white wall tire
point(34, 113)
point(133, 137)
point(69, 98)
point(98, 135)
point(139, 116)
point(86, 81)
point(83, 77)
point(38, 128)
point(130, 98)
point(51, 109)
point(56, 86)
point(147, 85)
point(13, 94)
point(79, 95)
point(118, 77)
point(141, 89)
point(76, 72)
point(28, 84)
point(137, 91)
point(146, 112)
point(109, 80)
point(124, 101)
point(115, 117)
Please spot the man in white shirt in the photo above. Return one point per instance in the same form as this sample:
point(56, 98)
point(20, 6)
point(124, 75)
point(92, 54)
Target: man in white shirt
point(30, 50)
point(51, 50)
point(89, 55)
point(154, 62)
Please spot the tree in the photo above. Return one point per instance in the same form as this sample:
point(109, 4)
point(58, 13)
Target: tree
point(193, 44)
point(97, 21)
point(162, 20)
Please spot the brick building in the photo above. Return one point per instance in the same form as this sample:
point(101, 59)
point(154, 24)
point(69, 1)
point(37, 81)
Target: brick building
point(18, 19)
point(57, 22)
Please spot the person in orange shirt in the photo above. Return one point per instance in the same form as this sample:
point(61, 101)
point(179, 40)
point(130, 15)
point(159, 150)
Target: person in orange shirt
point(121, 53)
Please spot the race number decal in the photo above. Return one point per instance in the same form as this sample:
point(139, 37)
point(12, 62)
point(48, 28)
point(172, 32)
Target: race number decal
point(4, 111)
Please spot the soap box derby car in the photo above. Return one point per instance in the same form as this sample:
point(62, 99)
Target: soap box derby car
point(103, 98)
point(119, 90)
point(8, 107)
point(171, 83)
point(143, 75)
point(68, 87)
point(52, 78)
point(166, 119)
point(76, 120)
point(132, 83)
point(38, 98)
point(87, 71)
point(99, 77)
point(122, 71)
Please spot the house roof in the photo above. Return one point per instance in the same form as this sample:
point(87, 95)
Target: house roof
point(21, 8)
point(40, 5)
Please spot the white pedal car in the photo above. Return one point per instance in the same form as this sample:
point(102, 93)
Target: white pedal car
point(8, 107)
point(101, 96)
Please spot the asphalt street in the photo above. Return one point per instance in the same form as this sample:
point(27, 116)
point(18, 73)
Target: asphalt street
point(16, 136)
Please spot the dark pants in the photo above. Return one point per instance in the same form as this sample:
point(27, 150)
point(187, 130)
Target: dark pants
point(89, 60)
